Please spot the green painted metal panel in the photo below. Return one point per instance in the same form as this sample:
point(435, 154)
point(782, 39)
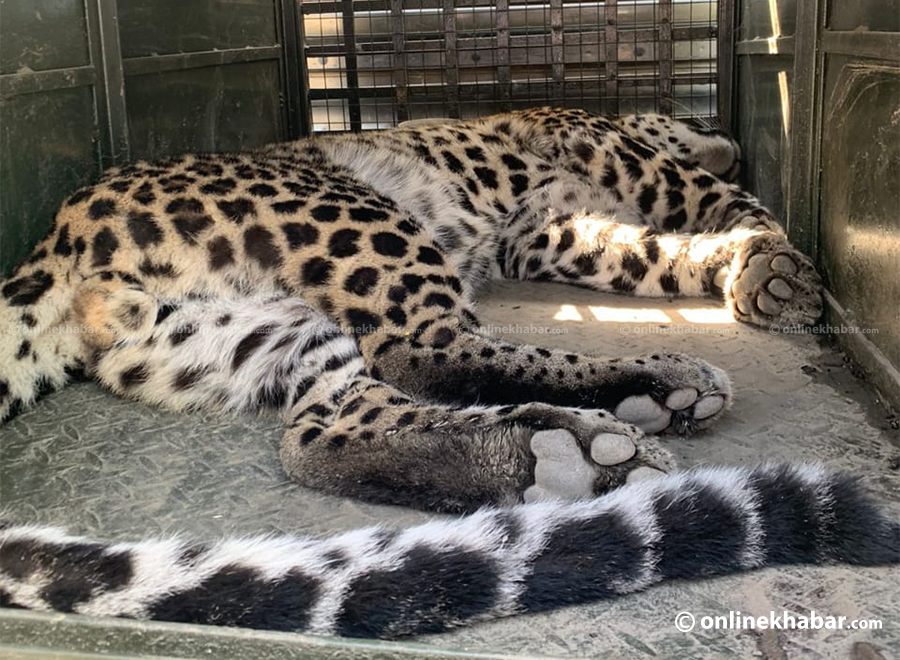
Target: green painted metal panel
point(42, 34)
point(222, 108)
point(859, 235)
point(183, 26)
point(52, 636)
point(47, 149)
point(52, 123)
point(877, 15)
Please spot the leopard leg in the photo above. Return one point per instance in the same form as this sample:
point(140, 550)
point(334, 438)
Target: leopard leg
point(445, 359)
point(380, 445)
point(672, 195)
point(761, 277)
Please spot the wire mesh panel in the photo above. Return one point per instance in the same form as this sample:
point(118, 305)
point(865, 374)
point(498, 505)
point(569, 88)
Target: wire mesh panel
point(374, 63)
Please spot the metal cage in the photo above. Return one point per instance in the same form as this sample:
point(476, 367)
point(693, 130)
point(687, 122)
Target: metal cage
point(374, 63)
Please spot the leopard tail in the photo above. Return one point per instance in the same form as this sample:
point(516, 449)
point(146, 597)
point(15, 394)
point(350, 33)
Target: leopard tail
point(378, 582)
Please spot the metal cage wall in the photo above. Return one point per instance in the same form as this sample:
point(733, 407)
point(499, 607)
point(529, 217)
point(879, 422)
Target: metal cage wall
point(374, 63)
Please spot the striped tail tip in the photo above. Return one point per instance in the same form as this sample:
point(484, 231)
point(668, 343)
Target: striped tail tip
point(446, 573)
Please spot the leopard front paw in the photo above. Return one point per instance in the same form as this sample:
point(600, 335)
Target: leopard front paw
point(771, 283)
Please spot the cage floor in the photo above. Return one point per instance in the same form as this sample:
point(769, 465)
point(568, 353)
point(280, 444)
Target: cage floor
point(106, 467)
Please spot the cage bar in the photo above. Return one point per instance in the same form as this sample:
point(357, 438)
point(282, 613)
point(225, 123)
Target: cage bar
point(451, 64)
point(665, 56)
point(401, 99)
point(612, 56)
point(557, 49)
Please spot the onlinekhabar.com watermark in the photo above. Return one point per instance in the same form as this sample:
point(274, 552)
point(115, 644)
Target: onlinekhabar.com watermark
point(784, 620)
point(824, 329)
point(517, 329)
point(627, 329)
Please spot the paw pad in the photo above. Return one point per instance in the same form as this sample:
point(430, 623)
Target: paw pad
point(780, 289)
point(644, 412)
point(611, 449)
point(561, 471)
point(681, 399)
point(708, 406)
point(768, 304)
point(784, 264)
point(643, 473)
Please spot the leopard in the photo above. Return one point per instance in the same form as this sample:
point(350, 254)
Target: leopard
point(332, 281)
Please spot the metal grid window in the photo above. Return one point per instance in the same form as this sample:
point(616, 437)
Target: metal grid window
point(374, 63)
